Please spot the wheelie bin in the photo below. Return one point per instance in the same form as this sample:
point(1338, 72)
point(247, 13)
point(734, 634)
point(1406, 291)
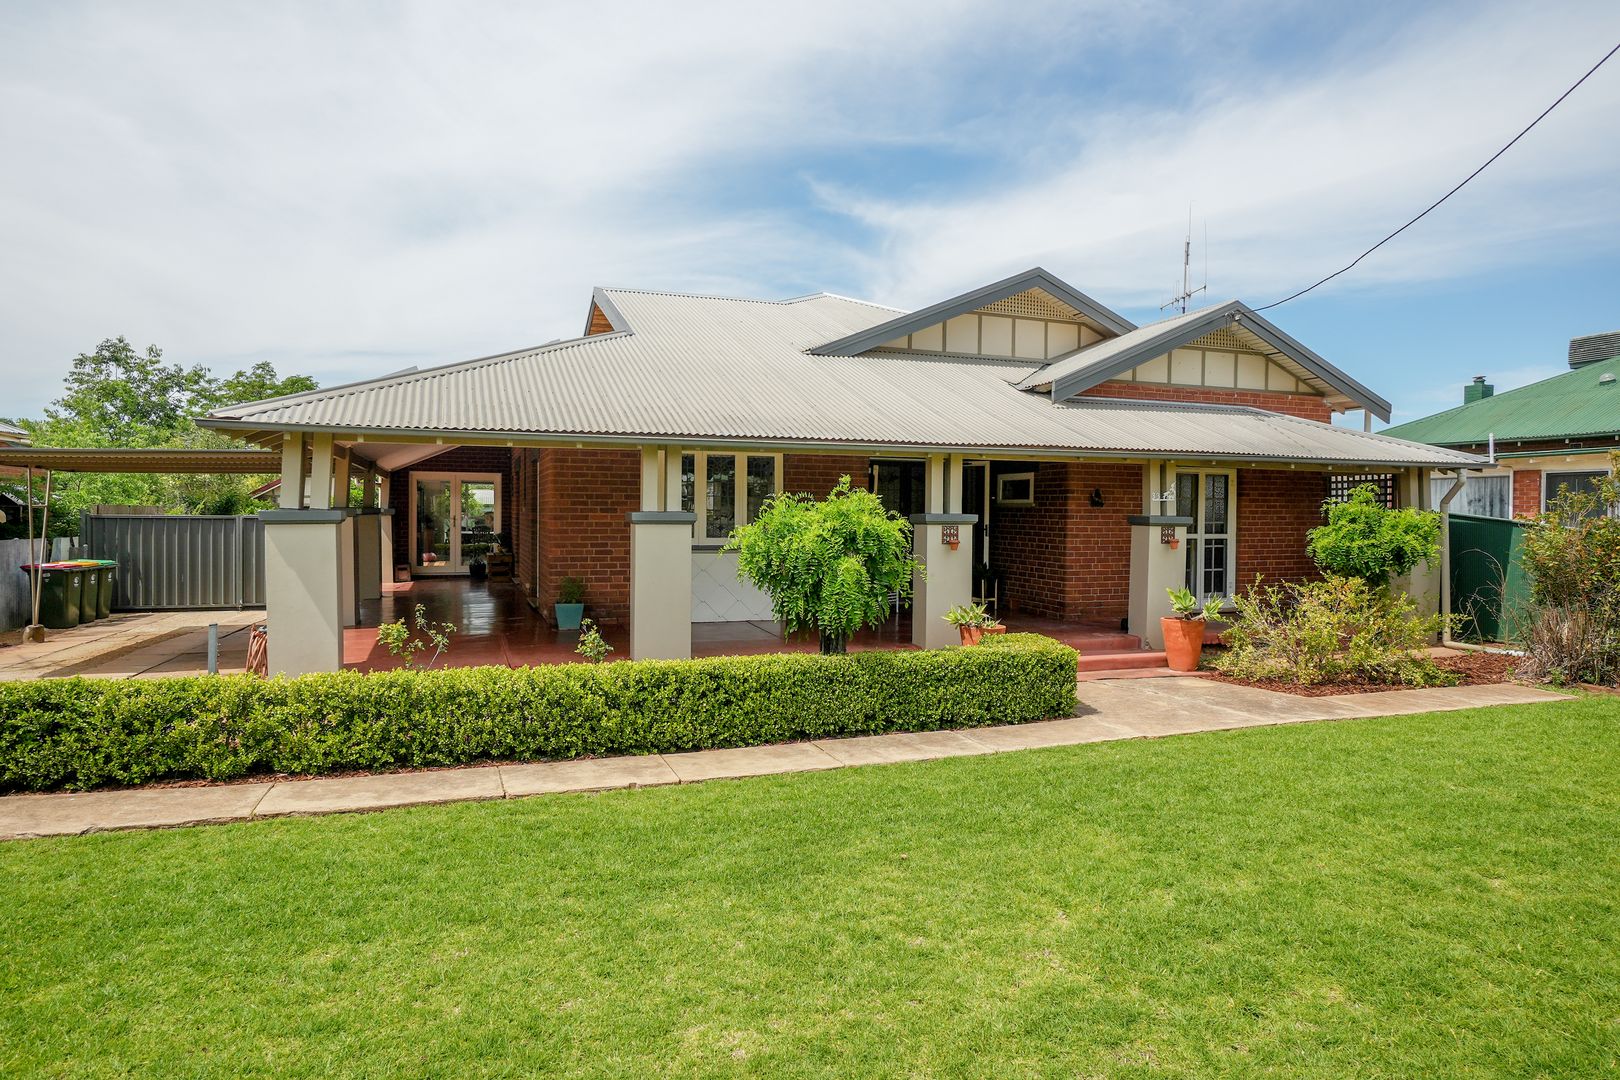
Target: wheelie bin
point(104, 598)
point(59, 590)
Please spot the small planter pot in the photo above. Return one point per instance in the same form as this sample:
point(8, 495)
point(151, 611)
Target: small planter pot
point(971, 635)
point(1183, 643)
point(568, 615)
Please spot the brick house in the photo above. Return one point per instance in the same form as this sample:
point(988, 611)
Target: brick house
point(1049, 452)
point(1556, 433)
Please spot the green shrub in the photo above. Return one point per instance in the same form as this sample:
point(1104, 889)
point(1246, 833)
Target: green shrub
point(1336, 629)
point(1570, 629)
point(832, 564)
point(1365, 539)
point(84, 733)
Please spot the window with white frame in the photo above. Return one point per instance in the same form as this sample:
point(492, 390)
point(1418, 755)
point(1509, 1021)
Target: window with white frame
point(1586, 481)
point(733, 488)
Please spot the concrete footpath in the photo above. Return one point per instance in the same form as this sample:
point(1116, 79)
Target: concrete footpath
point(1125, 709)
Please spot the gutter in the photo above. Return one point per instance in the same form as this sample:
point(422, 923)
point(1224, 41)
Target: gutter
point(875, 449)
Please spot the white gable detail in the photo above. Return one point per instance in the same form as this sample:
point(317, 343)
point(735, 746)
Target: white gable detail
point(1030, 326)
point(1222, 368)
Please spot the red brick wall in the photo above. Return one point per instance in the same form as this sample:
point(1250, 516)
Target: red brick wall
point(1064, 558)
point(526, 566)
point(1526, 492)
point(1276, 508)
point(817, 474)
point(1311, 408)
point(583, 503)
point(461, 459)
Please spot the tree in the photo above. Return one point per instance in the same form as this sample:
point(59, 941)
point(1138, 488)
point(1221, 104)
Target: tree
point(1367, 540)
point(829, 564)
point(118, 396)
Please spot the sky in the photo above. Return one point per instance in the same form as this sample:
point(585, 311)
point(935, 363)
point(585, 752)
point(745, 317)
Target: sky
point(345, 190)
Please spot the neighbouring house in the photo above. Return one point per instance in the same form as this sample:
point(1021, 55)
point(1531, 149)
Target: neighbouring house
point(1557, 433)
point(1049, 452)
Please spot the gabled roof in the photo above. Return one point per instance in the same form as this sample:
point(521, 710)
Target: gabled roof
point(1108, 359)
point(1036, 278)
point(1575, 404)
point(695, 370)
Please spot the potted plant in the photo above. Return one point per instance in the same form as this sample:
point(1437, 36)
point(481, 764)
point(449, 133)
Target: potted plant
point(477, 568)
point(570, 606)
point(973, 621)
point(1184, 631)
point(499, 560)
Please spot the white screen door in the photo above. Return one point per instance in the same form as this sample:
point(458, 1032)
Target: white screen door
point(1207, 498)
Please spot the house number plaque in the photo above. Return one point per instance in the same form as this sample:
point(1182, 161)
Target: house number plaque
point(949, 534)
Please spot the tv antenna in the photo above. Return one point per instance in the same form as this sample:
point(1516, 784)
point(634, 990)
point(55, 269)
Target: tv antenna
point(1187, 291)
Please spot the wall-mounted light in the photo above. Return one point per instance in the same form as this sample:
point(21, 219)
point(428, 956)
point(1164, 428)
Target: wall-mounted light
point(1096, 497)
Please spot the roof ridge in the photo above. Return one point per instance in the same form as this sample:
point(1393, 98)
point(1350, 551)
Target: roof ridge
point(746, 299)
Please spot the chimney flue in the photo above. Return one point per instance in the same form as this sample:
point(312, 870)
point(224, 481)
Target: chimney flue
point(1478, 390)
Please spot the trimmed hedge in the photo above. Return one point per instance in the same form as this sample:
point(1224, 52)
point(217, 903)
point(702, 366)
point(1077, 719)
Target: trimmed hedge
point(84, 733)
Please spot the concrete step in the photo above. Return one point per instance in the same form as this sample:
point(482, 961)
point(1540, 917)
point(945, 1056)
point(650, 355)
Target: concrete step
point(1104, 642)
point(1119, 661)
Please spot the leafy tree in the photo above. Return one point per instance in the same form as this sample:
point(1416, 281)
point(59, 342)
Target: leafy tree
point(118, 396)
point(829, 564)
point(1365, 539)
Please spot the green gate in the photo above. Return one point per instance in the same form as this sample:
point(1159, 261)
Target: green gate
point(1487, 575)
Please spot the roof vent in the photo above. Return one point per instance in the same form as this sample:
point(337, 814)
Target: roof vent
point(1606, 378)
point(1594, 347)
point(1478, 390)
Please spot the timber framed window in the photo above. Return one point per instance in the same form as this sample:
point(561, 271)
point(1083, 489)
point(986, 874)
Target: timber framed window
point(733, 487)
point(1210, 499)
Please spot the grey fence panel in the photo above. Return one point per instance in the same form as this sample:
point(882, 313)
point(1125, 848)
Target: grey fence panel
point(170, 562)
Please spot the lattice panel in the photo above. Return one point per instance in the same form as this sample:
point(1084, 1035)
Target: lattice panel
point(1033, 304)
point(1340, 486)
point(1226, 338)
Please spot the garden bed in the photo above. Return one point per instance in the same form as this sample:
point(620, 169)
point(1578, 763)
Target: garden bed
point(1473, 669)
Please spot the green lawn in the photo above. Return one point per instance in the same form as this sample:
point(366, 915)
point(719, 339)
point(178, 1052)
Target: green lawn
point(1419, 896)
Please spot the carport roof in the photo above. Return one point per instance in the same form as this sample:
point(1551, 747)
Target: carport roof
point(157, 460)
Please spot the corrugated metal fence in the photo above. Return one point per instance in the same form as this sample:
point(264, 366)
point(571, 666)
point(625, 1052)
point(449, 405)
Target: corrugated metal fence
point(172, 561)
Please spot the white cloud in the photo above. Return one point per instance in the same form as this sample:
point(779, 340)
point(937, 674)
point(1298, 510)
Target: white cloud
point(344, 189)
point(1297, 173)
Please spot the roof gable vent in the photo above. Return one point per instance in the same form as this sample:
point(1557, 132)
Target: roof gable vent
point(1594, 347)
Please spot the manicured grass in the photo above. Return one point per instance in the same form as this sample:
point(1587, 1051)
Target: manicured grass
point(1418, 896)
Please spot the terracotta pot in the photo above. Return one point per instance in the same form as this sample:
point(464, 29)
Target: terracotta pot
point(996, 629)
point(1183, 642)
point(971, 634)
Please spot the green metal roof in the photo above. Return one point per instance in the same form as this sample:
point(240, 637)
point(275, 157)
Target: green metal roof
point(1574, 404)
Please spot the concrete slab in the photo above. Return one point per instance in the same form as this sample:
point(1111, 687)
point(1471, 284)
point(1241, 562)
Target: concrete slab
point(1440, 699)
point(594, 774)
point(97, 811)
point(750, 761)
point(913, 746)
point(1067, 732)
point(326, 796)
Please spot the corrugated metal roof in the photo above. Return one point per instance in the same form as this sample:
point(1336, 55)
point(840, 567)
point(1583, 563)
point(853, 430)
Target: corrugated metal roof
point(157, 460)
point(1574, 404)
point(704, 368)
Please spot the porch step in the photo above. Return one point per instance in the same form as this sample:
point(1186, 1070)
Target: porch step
point(1119, 661)
point(1103, 642)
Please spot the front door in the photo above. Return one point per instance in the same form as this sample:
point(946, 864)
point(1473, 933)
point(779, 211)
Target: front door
point(1208, 497)
point(976, 500)
point(455, 517)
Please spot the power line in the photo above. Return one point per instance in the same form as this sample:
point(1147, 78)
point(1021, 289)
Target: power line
point(1453, 191)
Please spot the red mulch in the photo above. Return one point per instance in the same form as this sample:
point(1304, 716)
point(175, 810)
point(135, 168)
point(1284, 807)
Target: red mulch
point(1476, 669)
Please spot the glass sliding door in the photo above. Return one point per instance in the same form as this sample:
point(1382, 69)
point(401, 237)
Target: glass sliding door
point(454, 519)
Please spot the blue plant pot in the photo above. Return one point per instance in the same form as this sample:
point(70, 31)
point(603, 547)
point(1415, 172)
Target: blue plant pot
point(568, 615)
